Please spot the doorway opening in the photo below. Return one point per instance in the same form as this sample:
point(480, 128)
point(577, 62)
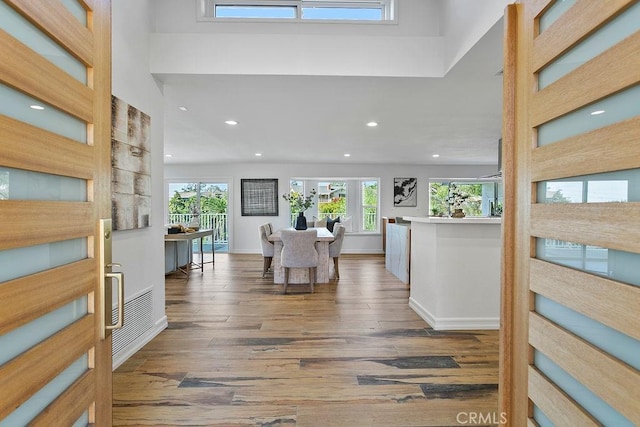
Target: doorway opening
point(205, 205)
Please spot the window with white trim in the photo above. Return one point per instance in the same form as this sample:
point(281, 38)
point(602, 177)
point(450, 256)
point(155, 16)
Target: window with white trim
point(354, 200)
point(297, 10)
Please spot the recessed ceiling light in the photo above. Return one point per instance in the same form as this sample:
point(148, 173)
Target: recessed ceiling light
point(435, 155)
point(347, 155)
point(231, 122)
point(258, 154)
point(595, 113)
point(372, 124)
point(36, 107)
point(183, 108)
point(168, 156)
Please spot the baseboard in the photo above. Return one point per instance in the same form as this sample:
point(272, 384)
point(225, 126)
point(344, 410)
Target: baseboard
point(454, 323)
point(142, 340)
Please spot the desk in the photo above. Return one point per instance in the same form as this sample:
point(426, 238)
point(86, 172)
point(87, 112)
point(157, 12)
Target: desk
point(301, 275)
point(189, 237)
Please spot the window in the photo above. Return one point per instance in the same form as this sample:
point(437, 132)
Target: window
point(332, 199)
point(482, 198)
point(370, 205)
point(297, 10)
point(354, 200)
point(203, 204)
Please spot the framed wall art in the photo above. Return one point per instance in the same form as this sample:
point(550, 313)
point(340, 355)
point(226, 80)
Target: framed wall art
point(259, 197)
point(405, 192)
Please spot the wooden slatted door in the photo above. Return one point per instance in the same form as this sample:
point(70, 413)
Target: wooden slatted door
point(55, 85)
point(571, 336)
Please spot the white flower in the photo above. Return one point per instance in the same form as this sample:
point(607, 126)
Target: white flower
point(456, 197)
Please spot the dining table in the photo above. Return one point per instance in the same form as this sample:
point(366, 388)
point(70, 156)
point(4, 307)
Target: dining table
point(301, 275)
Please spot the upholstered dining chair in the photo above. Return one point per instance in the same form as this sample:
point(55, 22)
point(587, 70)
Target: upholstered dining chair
point(335, 247)
point(267, 247)
point(299, 251)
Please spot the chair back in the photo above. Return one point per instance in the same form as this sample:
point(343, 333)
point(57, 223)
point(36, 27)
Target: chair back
point(266, 245)
point(336, 246)
point(299, 248)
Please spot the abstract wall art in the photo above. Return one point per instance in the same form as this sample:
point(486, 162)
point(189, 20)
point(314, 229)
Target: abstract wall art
point(130, 166)
point(405, 192)
point(259, 197)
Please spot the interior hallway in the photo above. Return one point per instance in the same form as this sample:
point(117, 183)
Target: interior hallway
point(238, 352)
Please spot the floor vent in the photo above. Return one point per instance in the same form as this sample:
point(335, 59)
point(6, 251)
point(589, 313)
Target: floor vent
point(138, 319)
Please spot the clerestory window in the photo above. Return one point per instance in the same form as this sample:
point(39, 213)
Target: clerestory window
point(297, 10)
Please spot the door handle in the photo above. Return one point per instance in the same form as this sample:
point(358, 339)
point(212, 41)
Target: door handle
point(104, 307)
point(119, 276)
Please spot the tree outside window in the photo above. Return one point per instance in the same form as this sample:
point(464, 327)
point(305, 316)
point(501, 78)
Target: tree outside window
point(369, 205)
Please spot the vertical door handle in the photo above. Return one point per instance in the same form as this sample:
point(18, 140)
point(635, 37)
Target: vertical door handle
point(119, 276)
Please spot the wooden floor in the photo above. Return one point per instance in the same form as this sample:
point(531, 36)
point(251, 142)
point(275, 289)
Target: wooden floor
point(237, 352)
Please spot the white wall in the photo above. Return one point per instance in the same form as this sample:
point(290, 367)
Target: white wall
point(464, 22)
point(244, 230)
point(141, 252)
point(411, 46)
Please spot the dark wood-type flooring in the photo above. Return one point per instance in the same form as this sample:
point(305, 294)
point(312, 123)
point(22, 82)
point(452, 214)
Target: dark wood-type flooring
point(237, 352)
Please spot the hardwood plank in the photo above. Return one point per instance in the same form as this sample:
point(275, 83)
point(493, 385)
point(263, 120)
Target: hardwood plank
point(26, 374)
point(60, 25)
point(587, 364)
point(238, 352)
point(48, 222)
point(610, 148)
point(30, 73)
point(47, 152)
point(30, 297)
point(596, 297)
point(608, 225)
point(572, 27)
point(555, 404)
point(604, 75)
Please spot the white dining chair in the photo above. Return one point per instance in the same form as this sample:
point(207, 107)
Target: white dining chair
point(299, 251)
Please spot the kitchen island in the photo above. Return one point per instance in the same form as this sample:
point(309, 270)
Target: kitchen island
point(455, 272)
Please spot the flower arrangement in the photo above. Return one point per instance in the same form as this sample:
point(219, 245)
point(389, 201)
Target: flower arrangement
point(298, 202)
point(456, 197)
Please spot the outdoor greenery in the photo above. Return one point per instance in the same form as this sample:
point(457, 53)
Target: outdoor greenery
point(213, 199)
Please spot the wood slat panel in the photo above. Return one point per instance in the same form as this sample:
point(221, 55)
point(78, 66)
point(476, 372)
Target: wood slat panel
point(603, 75)
point(555, 404)
point(88, 4)
point(30, 297)
point(24, 375)
point(536, 7)
point(60, 25)
point(509, 232)
point(25, 70)
point(46, 222)
point(606, 149)
point(70, 405)
point(615, 382)
point(572, 27)
point(24, 146)
point(601, 299)
point(609, 225)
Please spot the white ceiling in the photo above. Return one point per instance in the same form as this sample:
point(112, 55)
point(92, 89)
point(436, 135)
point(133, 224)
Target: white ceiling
point(317, 119)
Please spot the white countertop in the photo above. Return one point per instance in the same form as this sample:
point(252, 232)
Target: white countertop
point(447, 220)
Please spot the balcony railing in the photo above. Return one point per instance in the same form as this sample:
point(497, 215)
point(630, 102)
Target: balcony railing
point(217, 222)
